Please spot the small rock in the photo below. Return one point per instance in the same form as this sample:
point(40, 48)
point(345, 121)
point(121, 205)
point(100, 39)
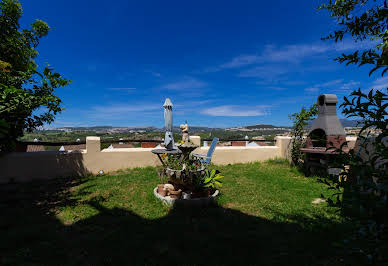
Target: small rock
point(318, 200)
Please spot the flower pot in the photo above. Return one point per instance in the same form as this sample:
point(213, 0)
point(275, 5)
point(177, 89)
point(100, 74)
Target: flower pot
point(176, 194)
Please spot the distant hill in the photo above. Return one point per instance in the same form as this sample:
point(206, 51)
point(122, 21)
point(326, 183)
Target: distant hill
point(195, 129)
point(106, 128)
point(175, 128)
point(350, 123)
point(264, 126)
point(94, 128)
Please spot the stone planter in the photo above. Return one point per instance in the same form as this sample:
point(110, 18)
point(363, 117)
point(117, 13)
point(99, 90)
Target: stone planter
point(192, 202)
point(161, 190)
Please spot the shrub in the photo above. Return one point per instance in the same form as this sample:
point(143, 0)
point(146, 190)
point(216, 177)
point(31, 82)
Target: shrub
point(299, 121)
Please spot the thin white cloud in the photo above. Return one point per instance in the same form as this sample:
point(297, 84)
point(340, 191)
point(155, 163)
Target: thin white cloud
point(153, 73)
point(136, 107)
point(236, 110)
point(289, 53)
point(156, 74)
point(275, 88)
point(292, 53)
point(311, 89)
point(122, 111)
point(264, 72)
point(241, 60)
point(294, 82)
point(194, 104)
point(186, 84)
point(337, 86)
point(271, 53)
point(348, 87)
point(331, 83)
point(380, 84)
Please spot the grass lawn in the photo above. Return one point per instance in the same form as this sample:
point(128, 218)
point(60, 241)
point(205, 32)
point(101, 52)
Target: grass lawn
point(264, 216)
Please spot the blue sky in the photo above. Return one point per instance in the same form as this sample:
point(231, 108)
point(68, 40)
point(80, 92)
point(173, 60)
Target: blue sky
point(222, 63)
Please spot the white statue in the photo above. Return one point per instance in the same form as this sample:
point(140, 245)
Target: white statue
point(185, 132)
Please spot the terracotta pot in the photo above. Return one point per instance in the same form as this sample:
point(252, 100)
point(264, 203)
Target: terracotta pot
point(161, 190)
point(175, 194)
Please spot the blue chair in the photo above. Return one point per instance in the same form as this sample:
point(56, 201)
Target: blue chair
point(206, 159)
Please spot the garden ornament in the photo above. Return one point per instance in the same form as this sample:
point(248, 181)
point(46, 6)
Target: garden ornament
point(168, 138)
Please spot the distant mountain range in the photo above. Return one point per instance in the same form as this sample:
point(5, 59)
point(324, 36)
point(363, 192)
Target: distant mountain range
point(350, 123)
point(175, 128)
point(345, 123)
point(260, 126)
point(196, 129)
point(106, 128)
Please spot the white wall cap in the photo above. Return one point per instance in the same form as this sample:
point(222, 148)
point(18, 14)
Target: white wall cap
point(92, 138)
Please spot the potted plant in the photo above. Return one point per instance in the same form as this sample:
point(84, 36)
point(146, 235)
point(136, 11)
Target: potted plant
point(213, 179)
point(181, 171)
point(205, 186)
point(190, 178)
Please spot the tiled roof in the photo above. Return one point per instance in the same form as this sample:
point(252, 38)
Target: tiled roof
point(35, 148)
point(75, 147)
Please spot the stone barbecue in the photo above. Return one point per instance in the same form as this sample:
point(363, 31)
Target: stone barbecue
point(326, 132)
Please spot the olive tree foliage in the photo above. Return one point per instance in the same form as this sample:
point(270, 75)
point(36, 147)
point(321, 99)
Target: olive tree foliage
point(300, 122)
point(363, 20)
point(27, 98)
point(361, 189)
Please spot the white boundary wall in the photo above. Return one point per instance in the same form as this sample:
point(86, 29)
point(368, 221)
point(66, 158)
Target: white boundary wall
point(26, 166)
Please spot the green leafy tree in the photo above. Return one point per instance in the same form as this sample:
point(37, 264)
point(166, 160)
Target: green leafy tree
point(300, 121)
point(27, 98)
point(362, 20)
point(361, 190)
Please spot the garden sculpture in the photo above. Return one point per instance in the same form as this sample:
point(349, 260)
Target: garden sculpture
point(185, 132)
point(168, 138)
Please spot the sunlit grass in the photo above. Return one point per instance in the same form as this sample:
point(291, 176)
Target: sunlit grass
point(270, 190)
point(264, 214)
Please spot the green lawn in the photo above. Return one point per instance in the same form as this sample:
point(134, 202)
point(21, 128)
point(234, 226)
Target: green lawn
point(264, 216)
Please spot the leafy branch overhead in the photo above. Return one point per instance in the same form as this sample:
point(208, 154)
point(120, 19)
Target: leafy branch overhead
point(27, 98)
point(363, 20)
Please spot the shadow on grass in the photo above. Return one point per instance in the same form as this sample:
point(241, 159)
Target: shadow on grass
point(31, 234)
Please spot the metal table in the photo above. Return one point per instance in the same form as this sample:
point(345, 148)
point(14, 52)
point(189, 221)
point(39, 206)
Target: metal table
point(164, 151)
